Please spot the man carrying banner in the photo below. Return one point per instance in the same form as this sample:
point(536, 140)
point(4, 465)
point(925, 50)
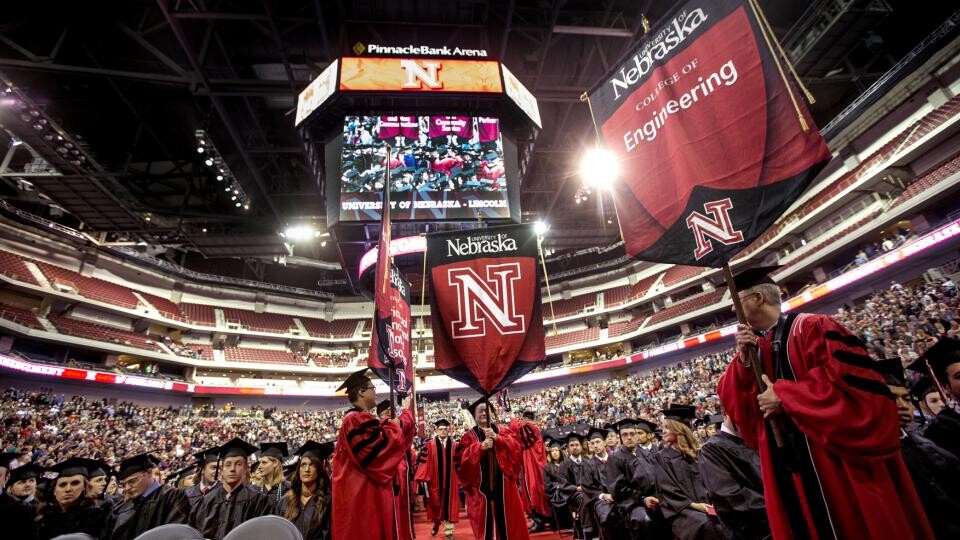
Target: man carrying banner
point(532, 493)
point(490, 463)
point(366, 460)
point(839, 473)
point(438, 471)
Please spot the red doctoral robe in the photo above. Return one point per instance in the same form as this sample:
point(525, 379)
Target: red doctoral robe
point(495, 511)
point(532, 493)
point(402, 499)
point(847, 479)
point(437, 470)
point(366, 461)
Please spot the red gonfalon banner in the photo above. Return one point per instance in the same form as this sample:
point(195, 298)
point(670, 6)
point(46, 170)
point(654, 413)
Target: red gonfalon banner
point(487, 323)
point(710, 145)
point(390, 339)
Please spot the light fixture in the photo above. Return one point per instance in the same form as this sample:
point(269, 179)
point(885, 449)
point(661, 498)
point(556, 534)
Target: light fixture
point(219, 178)
point(300, 232)
point(199, 149)
point(599, 167)
point(221, 171)
point(540, 227)
point(208, 162)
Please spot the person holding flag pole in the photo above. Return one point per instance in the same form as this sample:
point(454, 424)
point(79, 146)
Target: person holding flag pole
point(369, 451)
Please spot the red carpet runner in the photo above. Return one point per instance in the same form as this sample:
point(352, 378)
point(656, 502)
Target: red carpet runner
point(421, 528)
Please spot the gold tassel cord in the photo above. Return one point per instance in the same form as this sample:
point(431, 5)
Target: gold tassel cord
point(786, 60)
point(793, 99)
point(546, 278)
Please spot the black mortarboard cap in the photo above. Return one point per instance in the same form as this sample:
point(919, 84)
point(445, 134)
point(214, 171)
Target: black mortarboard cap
point(714, 419)
point(633, 423)
point(681, 413)
point(528, 413)
point(610, 426)
point(7, 457)
point(550, 442)
point(923, 387)
point(98, 468)
point(236, 447)
point(24, 472)
point(441, 422)
point(596, 433)
point(71, 467)
point(473, 406)
point(574, 435)
point(316, 449)
point(891, 370)
point(356, 379)
point(135, 464)
point(174, 478)
point(383, 406)
point(752, 277)
point(941, 354)
point(210, 455)
point(276, 450)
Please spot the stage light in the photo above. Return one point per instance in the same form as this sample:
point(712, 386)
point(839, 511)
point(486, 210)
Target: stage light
point(238, 205)
point(233, 198)
point(599, 167)
point(208, 162)
point(246, 206)
point(219, 178)
point(540, 227)
point(199, 149)
point(300, 232)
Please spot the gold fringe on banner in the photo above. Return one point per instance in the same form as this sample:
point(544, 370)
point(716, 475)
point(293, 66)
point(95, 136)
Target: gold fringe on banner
point(786, 60)
point(776, 60)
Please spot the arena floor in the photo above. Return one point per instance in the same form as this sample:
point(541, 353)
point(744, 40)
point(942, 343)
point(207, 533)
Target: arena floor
point(422, 526)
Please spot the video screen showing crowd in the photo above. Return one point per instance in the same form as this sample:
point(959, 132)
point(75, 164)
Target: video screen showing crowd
point(428, 153)
point(869, 451)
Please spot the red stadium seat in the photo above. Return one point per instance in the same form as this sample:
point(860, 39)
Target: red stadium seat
point(99, 332)
point(11, 265)
point(20, 315)
point(90, 287)
point(260, 322)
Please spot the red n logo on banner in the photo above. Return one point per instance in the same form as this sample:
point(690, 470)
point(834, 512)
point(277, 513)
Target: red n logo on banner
point(719, 228)
point(481, 300)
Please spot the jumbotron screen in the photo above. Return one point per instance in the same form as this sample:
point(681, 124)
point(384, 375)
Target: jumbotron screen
point(439, 168)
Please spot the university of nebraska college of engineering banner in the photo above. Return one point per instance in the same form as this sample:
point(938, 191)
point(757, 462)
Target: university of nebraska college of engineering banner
point(710, 145)
point(487, 325)
point(390, 339)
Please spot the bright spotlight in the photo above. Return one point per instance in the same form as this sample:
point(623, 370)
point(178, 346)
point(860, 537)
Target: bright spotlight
point(300, 232)
point(199, 149)
point(208, 162)
point(599, 167)
point(219, 178)
point(540, 227)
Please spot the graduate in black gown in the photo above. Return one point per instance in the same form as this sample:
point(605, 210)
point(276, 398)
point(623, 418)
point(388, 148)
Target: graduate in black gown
point(579, 488)
point(206, 477)
point(270, 464)
point(595, 481)
point(232, 501)
point(147, 504)
point(100, 474)
point(944, 360)
point(631, 478)
point(551, 483)
point(18, 502)
point(731, 473)
point(70, 511)
point(307, 503)
point(935, 472)
point(684, 497)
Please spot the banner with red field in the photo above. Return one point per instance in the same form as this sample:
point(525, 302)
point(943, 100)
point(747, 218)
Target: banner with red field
point(708, 136)
point(390, 340)
point(485, 305)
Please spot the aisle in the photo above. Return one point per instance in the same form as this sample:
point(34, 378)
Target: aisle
point(421, 528)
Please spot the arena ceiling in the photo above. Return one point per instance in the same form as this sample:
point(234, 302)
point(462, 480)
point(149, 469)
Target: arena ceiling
point(132, 81)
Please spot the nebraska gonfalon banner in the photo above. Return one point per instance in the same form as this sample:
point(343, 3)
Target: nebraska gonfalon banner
point(390, 339)
point(709, 141)
point(485, 305)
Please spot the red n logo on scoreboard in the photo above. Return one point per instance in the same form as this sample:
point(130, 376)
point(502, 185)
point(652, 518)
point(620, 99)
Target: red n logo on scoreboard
point(486, 300)
point(420, 75)
point(719, 227)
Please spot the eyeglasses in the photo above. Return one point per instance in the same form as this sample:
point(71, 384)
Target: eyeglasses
point(365, 388)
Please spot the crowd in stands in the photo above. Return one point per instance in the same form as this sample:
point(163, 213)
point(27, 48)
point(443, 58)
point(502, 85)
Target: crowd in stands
point(897, 322)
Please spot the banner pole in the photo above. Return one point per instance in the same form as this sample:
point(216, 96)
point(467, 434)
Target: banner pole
point(546, 279)
point(936, 382)
point(793, 99)
point(752, 357)
point(786, 60)
point(491, 459)
point(385, 242)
